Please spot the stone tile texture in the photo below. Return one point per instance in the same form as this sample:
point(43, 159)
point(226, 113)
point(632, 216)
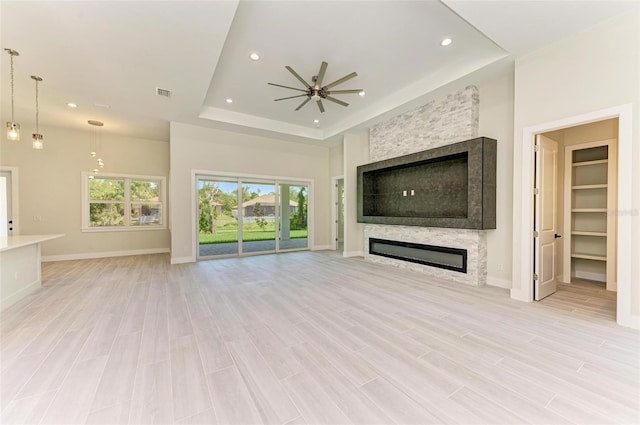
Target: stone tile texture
point(441, 122)
point(452, 119)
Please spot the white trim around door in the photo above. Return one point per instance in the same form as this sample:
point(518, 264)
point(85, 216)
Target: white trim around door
point(244, 177)
point(523, 252)
point(334, 211)
point(15, 204)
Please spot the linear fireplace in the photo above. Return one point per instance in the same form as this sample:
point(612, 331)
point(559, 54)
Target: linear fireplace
point(437, 256)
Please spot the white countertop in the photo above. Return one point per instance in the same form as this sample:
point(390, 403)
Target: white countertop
point(11, 242)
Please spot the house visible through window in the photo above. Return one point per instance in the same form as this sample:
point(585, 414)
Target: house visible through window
point(116, 202)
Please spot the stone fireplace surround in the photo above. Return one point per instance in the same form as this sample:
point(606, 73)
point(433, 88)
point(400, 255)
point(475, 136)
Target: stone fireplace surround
point(440, 122)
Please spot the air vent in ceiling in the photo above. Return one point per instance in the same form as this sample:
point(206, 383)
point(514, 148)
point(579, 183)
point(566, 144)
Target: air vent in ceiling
point(163, 92)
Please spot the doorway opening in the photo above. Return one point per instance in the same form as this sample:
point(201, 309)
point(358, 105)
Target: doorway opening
point(522, 288)
point(9, 199)
point(338, 214)
point(575, 238)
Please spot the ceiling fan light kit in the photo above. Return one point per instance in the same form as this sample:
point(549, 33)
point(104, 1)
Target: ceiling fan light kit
point(316, 91)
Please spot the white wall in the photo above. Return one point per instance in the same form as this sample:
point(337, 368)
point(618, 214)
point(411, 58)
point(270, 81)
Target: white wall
point(594, 70)
point(356, 152)
point(49, 192)
point(496, 122)
point(200, 148)
point(336, 159)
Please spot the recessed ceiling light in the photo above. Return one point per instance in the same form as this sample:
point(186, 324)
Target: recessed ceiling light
point(316, 121)
point(254, 56)
point(72, 105)
point(362, 93)
point(446, 42)
point(229, 100)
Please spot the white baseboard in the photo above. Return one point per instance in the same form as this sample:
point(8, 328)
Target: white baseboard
point(628, 320)
point(598, 277)
point(348, 254)
point(182, 260)
point(322, 248)
point(634, 322)
point(20, 294)
point(91, 255)
point(519, 295)
point(499, 282)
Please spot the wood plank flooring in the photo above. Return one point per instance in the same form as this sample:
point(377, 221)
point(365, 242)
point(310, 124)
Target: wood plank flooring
point(584, 298)
point(306, 338)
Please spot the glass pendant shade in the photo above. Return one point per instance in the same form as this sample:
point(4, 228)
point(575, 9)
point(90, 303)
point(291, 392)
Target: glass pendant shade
point(38, 141)
point(13, 131)
point(95, 145)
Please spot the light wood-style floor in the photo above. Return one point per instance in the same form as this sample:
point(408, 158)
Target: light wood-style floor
point(584, 297)
point(303, 338)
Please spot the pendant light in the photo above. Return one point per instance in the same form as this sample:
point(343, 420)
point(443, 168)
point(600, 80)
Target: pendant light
point(13, 128)
point(95, 145)
point(38, 140)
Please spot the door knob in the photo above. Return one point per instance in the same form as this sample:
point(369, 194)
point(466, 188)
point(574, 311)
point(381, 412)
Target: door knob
point(556, 236)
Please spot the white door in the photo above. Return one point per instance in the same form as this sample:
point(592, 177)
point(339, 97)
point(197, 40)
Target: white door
point(545, 223)
point(6, 208)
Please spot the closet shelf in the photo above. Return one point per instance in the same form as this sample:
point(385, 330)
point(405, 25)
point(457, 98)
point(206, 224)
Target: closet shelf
point(579, 233)
point(589, 210)
point(590, 186)
point(589, 256)
point(597, 161)
point(589, 183)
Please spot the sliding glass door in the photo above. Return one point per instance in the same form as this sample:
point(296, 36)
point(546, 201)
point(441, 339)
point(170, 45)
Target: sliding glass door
point(217, 216)
point(238, 216)
point(258, 216)
point(293, 234)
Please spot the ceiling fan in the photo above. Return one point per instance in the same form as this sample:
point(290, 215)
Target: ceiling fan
point(316, 91)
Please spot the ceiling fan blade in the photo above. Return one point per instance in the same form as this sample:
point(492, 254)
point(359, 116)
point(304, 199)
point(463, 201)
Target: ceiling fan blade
point(344, 91)
point(319, 102)
point(341, 80)
point(303, 103)
point(338, 101)
point(290, 97)
point(286, 87)
point(323, 69)
point(295, 74)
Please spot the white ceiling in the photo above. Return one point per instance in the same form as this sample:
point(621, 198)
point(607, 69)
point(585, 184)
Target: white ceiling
point(117, 52)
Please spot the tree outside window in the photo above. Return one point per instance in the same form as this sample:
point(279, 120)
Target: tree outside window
point(123, 202)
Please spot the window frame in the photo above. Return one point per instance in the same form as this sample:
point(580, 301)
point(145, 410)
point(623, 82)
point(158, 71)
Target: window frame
point(127, 201)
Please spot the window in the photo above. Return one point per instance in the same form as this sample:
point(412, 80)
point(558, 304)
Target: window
point(117, 202)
